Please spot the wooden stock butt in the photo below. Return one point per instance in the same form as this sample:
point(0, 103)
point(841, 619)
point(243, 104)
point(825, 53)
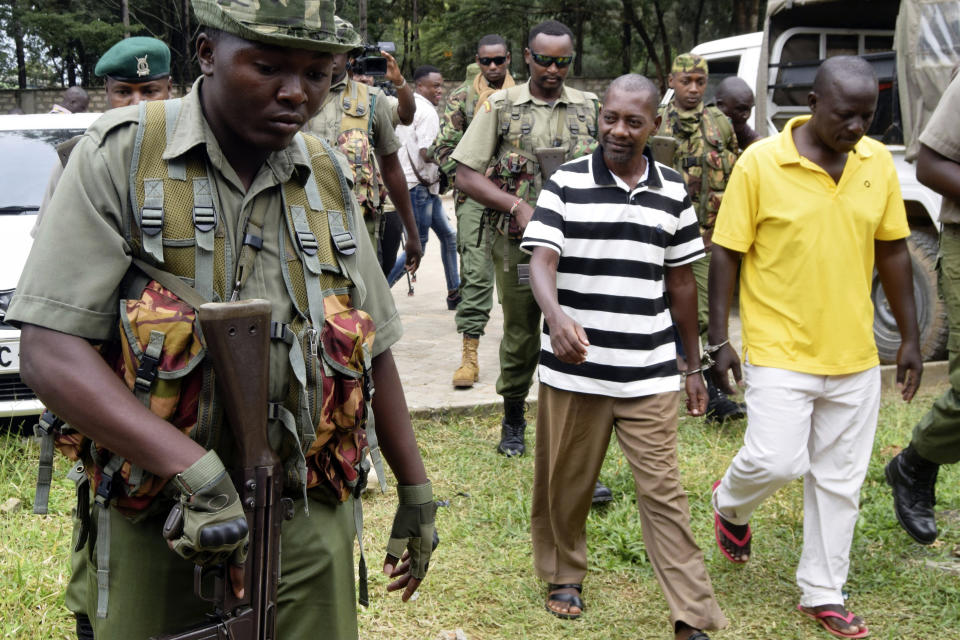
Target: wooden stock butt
point(237, 335)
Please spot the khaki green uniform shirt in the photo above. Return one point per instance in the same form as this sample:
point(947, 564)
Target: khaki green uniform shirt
point(482, 143)
point(71, 280)
point(942, 134)
point(326, 124)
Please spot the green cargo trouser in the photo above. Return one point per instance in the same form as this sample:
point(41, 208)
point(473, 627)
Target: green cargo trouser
point(375, 232)
point(520, 346)
point(151, 588)
point(75, 597)
point(476, 270)
point(701, 269)
point(937, 436)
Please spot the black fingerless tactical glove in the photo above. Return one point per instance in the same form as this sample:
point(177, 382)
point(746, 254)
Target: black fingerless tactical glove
point(413, 527)
point(207, 525)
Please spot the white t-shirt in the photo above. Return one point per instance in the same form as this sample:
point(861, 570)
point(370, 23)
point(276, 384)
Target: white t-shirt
point(420, 135)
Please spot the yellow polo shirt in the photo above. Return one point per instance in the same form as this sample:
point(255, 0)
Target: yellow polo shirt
point(808, 252)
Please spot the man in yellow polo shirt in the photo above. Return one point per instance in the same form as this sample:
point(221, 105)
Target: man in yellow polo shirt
point(809, 212)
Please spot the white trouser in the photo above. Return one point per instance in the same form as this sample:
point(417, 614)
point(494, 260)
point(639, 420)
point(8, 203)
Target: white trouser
point(818, 427)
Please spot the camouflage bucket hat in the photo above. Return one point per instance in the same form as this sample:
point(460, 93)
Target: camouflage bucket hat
point(295, 24)
point(689, 62)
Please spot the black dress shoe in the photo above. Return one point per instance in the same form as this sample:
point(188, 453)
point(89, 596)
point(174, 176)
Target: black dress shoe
point(601, 494)
point(720, 408)
point(913, 479)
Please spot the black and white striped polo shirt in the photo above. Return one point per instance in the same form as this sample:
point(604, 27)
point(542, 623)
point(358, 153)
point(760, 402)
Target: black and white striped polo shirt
point(614, 244)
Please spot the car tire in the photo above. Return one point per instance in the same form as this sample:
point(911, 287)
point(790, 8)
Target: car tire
point(931, 310)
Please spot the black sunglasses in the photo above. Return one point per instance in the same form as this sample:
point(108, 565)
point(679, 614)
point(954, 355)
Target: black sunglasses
point(546, 61)
point(497, 60)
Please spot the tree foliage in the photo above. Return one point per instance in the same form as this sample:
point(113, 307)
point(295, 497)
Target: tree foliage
point(57, 42)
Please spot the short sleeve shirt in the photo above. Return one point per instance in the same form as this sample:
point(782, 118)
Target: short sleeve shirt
point(614, 243)
point(808, 252)
point(942, 134)
point(419, 134)
point(71, 282)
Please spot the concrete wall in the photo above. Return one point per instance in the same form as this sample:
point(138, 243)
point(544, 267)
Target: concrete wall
point(41, 100)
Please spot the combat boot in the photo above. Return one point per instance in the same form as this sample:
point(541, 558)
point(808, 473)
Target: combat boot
point(512, 428)
point(720, 408)
point(913, 480)
point(469, 370)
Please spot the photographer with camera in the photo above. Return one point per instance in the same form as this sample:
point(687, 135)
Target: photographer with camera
point(357, 119)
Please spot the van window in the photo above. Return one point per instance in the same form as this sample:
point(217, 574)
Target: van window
point(720, 68)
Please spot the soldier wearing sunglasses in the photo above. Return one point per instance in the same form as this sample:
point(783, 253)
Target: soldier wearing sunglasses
point(476, 268)
point(520, 134)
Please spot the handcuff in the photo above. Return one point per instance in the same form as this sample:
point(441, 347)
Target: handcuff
point(706, 360)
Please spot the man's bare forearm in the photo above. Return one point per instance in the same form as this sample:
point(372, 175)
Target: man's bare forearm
point(722, 278)
point(394, 429)
point(682, 290)
point(75, 383)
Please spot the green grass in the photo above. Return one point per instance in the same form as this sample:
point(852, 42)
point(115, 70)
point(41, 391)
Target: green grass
point(481, 578)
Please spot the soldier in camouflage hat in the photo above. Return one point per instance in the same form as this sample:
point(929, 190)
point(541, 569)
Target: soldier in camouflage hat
point(706, 151)
point(239, 129)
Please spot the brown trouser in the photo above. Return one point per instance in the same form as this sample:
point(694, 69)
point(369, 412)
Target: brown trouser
point(573, 431)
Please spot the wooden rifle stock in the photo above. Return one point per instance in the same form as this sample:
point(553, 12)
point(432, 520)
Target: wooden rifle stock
point(237, 335)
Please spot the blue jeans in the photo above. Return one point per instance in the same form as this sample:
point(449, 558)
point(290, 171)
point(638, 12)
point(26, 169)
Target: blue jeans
point(429, 214)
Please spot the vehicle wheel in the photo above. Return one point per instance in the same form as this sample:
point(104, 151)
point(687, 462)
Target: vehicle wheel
point(931, 310)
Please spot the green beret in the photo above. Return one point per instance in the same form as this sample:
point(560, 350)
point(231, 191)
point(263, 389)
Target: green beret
point(293, 24)
point(136, 59)
point(689, 62)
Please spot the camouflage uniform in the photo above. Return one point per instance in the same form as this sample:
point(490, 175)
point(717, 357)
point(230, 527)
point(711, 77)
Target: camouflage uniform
point(706, 151)
point(476, 267)
point(150, 589)
point(505, 132)
point(360, 147)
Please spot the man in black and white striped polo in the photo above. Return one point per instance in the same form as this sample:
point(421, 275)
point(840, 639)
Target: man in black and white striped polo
point(610, 233)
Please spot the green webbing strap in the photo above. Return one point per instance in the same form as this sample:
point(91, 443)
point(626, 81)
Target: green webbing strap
point(313, 192)
point(149, 361)
point(343, 240)
point(169, 281)
point(82, 484)
point(44, 430)
point(176, 167)
point(151, 219)
point(204, 224)
point(282, 331)
point(103, 534)
point(276, 412)
point(375, 457)
point(252, 243)
point(307, 242)
point(134, 168)
point(362, 591)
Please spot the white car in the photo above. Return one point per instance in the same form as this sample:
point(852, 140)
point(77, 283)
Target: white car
point(27, 157)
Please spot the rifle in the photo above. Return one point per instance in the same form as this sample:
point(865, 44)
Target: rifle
point(237, 335)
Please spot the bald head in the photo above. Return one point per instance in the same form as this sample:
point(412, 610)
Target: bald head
point(841, 71)
point(735, 99)
point(843, 102)
point(640, 86)
point(76, 99)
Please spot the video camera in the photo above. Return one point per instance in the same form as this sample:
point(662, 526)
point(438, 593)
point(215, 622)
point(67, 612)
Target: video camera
point(369, 62)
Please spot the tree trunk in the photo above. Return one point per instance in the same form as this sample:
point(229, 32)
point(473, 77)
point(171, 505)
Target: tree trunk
point(362, 11)
point(125, 15)
point(17, 34)
point(697, 22)
point(648, 43)
point(626, 62)
point(578, 31)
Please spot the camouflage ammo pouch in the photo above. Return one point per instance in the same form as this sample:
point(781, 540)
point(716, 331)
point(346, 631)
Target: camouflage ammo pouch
point(518, 169)
point(357, 103)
